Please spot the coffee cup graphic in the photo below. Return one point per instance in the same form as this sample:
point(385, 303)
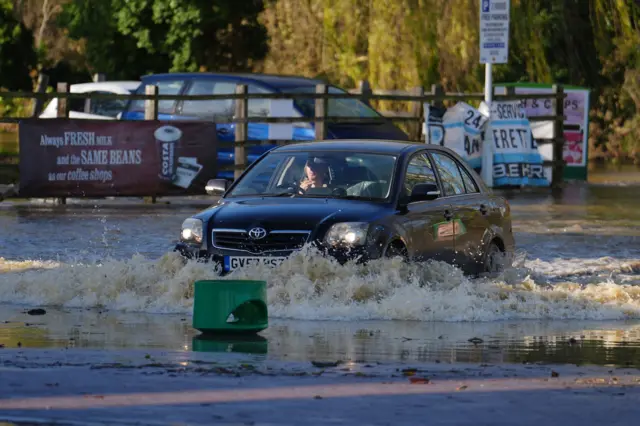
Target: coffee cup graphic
point(167, 139)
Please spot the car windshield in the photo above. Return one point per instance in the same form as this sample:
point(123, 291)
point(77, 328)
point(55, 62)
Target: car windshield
point(334, 174)
point(347, 107)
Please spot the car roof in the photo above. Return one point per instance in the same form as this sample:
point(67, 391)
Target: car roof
point(360, 145)
point(276, 81)
point(121, 87)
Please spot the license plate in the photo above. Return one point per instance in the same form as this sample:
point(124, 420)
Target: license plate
point(235, 262)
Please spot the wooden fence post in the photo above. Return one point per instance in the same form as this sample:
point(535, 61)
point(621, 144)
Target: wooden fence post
point(365, 91)
point(558, 138)
point(41, 87)
point(151, 111)
point(417, 111)
point(438, 91)
point(321, 112)
point(63, 112)
point(151, 105)
point(63, 102)
point(242, 130)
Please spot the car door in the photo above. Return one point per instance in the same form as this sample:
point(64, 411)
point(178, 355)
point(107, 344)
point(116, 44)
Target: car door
point(428, 222)
point(482, 213)
point(467, 213)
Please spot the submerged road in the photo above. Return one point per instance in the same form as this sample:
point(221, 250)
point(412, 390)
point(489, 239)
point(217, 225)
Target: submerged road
point(115, 343)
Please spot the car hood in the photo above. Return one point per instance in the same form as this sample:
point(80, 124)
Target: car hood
point(290, 213)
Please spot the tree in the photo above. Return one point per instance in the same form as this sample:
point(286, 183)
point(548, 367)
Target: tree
point(127, 38)
point(106, 49)
point(17, 55)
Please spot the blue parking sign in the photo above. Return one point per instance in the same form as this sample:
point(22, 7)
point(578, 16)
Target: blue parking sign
point(485, 5)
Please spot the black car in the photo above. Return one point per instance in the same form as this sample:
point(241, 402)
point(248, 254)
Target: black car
point(358, 200)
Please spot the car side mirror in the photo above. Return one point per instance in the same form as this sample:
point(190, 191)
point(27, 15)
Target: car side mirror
point(424, 192)
point(216, 186)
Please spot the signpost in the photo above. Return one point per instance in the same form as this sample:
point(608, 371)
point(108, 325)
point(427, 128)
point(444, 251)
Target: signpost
point(494, 49)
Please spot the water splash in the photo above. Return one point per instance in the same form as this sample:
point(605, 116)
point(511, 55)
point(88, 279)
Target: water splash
point(310, 286)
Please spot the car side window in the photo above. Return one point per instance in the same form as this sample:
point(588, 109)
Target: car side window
point(469, 183)
point(419, 170)
point(224, 108)
point(449, 174)
point(209, 109)
point(165, 87)
point(107, 107)
point(77, 104)
point(258, 107)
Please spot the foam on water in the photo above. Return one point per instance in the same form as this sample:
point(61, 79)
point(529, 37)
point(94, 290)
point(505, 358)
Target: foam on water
point(309, 286)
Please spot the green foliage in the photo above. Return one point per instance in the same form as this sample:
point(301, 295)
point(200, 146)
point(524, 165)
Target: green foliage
point(129, 38)
point(14, 107)
point(17, 54)
point(107, 49)
point(401, 44)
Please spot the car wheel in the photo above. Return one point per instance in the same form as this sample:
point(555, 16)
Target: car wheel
point(494, 260)
point(395, 250)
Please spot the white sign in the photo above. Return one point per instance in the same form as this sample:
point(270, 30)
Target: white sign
point(494, 31)
point(576, 126)
point(516, 158)
point(463, 125)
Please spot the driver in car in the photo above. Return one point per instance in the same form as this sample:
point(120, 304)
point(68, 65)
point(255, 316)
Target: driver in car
point(316, 174)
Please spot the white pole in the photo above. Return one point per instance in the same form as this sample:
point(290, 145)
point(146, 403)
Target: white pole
point(487, 149)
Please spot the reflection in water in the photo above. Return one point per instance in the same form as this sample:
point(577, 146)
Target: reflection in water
point(247, 344)
point(575, 342)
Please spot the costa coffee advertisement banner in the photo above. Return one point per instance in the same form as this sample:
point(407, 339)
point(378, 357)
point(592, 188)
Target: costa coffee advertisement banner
point(61, 157)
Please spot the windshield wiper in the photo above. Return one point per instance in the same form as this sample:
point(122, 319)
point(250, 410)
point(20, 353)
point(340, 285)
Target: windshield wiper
point(354, 197)
point(279, 194)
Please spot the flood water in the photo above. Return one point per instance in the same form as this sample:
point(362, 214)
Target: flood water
point(105, 274)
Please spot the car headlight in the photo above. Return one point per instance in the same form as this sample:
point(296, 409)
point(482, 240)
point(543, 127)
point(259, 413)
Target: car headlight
point(347, 233)
point(191, 230)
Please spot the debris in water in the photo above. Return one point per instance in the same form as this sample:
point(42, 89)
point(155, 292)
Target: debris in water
point(37, 311)
point(418, 380)
point(463, 387)
point(555, 374)
point(475, 340)
point(325, 364)
point(409, 371)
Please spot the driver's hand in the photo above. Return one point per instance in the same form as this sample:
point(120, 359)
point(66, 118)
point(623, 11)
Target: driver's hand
point(305, 184)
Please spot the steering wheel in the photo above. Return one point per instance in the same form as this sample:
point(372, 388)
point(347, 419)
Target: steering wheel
point(339, 192)
point(292, 187)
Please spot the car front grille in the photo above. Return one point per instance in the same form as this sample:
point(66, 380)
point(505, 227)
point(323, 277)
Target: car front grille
point(238, 239)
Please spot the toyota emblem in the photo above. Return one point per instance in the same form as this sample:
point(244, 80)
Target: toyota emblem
point(257, 233)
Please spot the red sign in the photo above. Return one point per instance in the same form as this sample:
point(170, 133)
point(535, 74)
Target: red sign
point(84, 158)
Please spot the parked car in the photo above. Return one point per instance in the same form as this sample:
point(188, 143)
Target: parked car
point(221, 84)
point(97, 109)
point(378, 199)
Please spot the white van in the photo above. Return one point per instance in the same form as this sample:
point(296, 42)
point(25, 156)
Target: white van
point(101, 109)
